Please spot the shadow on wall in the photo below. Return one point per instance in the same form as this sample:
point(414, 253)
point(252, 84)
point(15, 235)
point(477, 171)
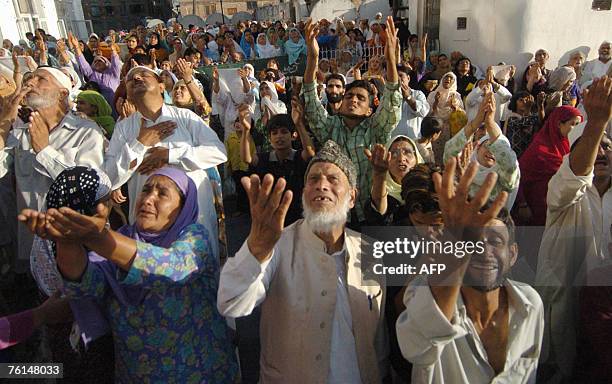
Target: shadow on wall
point(566, 56)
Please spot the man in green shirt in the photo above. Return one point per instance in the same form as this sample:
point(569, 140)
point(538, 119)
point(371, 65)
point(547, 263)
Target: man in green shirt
point(357, 126)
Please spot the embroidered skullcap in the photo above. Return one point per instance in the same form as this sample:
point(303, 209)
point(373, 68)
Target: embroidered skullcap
point(332, 153)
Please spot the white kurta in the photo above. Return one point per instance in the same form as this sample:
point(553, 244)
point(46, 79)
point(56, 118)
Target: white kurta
point(75, 141)
point(594, 69)
point(575, 242)
point(443, 351)
point(193, 147)
point(410, 124)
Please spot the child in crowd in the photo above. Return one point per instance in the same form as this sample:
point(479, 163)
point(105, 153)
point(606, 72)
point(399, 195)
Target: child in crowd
point(282, 161)
point(431, 129)
point(236, 166)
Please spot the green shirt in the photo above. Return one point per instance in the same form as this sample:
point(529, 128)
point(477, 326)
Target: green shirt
point(374, 129)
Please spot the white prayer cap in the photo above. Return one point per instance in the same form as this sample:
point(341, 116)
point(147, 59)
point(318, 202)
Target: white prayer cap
point(134, 69)
point(60, 76)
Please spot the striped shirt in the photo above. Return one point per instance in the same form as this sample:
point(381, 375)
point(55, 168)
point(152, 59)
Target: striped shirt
point(372, 130)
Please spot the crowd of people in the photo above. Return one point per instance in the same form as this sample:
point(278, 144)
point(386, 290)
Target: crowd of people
point(116, 154)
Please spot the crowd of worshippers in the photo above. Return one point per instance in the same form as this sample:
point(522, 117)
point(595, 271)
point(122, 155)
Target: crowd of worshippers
point(114, 166)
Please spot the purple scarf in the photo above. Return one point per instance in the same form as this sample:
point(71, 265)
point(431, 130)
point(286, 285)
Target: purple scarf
point(133, 295)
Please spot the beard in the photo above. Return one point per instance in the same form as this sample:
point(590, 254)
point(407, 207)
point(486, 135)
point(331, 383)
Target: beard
point(47, 100)
point(325, 221)
point(334, 98)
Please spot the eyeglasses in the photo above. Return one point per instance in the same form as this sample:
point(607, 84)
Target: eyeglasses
point(401, 151)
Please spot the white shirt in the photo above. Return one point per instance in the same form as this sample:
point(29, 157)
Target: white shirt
point(75, 141)
point(193, 147)
point(575, 242)
point(452, 352)
point(475, 97)
point(227, 108)
point(238, 295)
point(410, 124)
point(594, 69)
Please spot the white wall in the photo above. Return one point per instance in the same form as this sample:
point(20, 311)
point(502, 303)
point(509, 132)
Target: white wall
point(512, 30)
point(329, 9)
point(7, 21)
point(50, 14)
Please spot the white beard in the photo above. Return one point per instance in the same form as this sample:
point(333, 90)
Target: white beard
point(41, 101)
point(325, 221)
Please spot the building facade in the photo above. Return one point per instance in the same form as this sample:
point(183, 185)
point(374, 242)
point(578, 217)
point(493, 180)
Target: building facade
point(56, 17)
point(123, 15)
point(205, 8)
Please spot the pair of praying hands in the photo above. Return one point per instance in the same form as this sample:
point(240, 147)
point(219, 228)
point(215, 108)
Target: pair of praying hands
point(65, 224)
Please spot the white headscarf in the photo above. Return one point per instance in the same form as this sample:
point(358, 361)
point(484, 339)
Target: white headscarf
point(266, 50)
point(276, 106)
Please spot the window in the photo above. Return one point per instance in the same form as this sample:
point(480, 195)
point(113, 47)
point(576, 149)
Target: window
point(136, 9)
point(251, 4)
point(110, 10)
point(601, 5)
point(25, 6)
point(94, 10)
point(232, 11)
point(461, 23)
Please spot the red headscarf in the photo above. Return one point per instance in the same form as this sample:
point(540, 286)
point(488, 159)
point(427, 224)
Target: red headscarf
point(544, 155)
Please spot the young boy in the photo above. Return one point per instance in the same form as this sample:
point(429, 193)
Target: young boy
point(431, 129)
point(282, 160)
point(236, 166)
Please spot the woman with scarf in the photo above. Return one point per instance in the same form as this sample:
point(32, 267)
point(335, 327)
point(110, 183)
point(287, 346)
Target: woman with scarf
point(559, 89)
point(492, 151)
point(247, 43)
point(541, 161)
point(95, 106)
point(264, 49)
point(161, 48)
point(156, 281)
point(169, 79)
point(389, 166)
point(445, 102)
point(179, 48)
point(295, 45)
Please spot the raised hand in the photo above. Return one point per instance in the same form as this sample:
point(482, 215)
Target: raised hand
point(65, 224)
point(39, 132)
point(464, 158)
point(244, 112)
point(215, 74)
point(297, 111)
point(598, 101)
point(155, 158)
point(156, 133)
point(127, 109)
point(391, 43)
point(60, 46)
point(184, 70)
point(35, 221)
point(379, 158)
point(311, 33)
point(269, 205)
point(9, 106)
point(462, 217)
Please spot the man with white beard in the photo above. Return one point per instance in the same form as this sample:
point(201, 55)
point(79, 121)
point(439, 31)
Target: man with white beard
point(51, 140)
point(320, 322)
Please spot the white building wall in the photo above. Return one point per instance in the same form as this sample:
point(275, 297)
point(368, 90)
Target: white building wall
point(49, 13)
point(329, 9)
point(512, 30)
point(8, 25)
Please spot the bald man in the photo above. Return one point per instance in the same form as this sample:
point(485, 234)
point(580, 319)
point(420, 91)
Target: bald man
point(37, 150)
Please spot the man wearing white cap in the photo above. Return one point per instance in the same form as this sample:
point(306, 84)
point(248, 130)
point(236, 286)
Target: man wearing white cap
point(50, 141)
point(103, 71)
point(577, 237)
point(597, 68)
point(158, 135)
